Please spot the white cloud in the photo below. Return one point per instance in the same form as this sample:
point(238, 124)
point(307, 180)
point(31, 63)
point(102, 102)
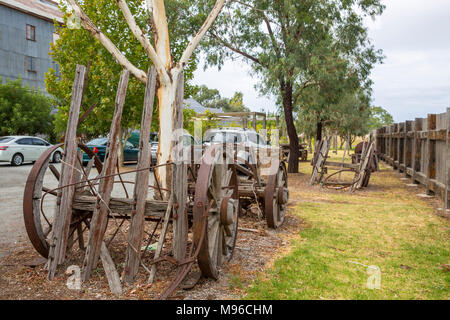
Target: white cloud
point(414, 79)
point(234, 76)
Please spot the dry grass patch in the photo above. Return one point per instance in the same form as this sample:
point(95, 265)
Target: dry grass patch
point(385, 225)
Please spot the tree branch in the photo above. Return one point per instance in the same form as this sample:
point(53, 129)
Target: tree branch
point(201, 33)
point(161, 33)
point(143, 40)
point(305, 84)
point(229, 46)
point(106, 42)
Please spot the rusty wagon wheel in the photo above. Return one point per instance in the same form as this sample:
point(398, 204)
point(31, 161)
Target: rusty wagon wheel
point(216, 189)
point(43, 178)
point(276, 196)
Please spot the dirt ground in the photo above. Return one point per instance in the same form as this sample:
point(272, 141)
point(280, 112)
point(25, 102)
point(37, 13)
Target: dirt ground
point(22, 273)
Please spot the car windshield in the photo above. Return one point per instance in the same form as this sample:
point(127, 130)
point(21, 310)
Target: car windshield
point(5, 139)
point(222, 136)
point(97, 142)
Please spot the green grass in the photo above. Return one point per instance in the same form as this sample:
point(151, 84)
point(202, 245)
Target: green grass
point(386, 227)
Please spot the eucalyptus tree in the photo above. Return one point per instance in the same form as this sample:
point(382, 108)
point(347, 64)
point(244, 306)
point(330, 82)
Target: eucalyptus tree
point(281, 40)
point(75, 45)
point(154, 38)
point(379, 117)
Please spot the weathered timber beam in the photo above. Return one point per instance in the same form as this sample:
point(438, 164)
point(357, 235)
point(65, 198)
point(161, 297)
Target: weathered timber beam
point(100, 215)
point(340, 164)
point(136, 231)
point(121, 206)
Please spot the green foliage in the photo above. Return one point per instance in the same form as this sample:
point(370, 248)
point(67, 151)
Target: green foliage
point(77, 46)
point(188, 120)
point(211, 98)
point(308, 54)
point(379, 118)
point(23, 111)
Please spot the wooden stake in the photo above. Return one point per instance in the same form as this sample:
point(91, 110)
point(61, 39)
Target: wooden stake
point(179, 178)
point(136, 231)
point(65, 198)
point(100, 215)
point(110, 270)
point(162, 237)
point(431, 153)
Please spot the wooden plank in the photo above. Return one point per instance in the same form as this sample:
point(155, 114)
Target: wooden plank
point(365, 159)
point(417, 148)
point(447, 163)
point(396, 145)
point(179, 178)
point(100, 215)
point(431, 153)
point(162, 237)
point(407, 148)
point(319, 160)
point(136, 231)
point(63, 212)
point(121, 206)
point(87, 172)
point(340, 164)
point(110, 270)
point(401, 147)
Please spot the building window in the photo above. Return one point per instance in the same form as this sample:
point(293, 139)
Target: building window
point(31, 32)
point(30, 64)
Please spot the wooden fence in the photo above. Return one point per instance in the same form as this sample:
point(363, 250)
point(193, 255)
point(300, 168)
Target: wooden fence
point(420, 149)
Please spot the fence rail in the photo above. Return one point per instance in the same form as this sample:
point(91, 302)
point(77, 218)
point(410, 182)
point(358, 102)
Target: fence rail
point(420, 149)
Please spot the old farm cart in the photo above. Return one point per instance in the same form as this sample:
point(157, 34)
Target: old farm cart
point(366, 164)
point(79, 207)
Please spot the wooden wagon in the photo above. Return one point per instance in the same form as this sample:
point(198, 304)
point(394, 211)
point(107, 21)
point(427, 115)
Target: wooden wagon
point(203, 204)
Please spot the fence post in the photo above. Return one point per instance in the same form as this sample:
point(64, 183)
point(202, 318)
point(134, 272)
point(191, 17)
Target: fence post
point(431, 152)
point(417, 148)
point(447, 163)
point(400, 146)
point(389, 151)
point(407, 147)
point(395, 144)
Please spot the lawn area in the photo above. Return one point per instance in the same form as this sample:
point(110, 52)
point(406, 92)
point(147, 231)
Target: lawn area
point(386, 225)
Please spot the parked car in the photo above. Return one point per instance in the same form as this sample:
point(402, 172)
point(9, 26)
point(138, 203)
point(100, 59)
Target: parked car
point(98, 146)
point(188, 140)
point(243, 137)
point(20, 149)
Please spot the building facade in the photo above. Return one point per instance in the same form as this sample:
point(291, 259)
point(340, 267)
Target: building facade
point(26, 31)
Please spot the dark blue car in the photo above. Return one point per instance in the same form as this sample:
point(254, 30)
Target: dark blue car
point(98, 146)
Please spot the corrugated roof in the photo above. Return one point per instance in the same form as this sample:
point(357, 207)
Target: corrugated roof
point(193, 104)
point(44, 9)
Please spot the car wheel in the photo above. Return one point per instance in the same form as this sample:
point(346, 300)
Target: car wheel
point(17, 159)
point(57, 157)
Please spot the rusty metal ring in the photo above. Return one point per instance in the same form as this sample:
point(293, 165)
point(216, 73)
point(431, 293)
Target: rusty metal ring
point(32, 197)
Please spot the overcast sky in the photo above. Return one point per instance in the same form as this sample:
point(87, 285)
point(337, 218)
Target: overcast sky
point(414, 79)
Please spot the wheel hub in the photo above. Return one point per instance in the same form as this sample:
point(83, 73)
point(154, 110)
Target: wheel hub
point(283, 195)
point(227, 211)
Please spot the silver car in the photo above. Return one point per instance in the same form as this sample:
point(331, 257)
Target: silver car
point(20, 149)
point(238, 136)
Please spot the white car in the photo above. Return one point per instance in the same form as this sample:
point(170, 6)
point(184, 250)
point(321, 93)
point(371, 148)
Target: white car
point(20, 149)
point(239, 136)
